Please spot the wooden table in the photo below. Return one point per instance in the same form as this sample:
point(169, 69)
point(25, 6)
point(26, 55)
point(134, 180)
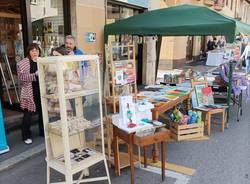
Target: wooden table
point(131, 139)
point(163, 107)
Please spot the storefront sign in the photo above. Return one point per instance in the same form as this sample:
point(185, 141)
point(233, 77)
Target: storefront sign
point(141, 3)
point(90, 37)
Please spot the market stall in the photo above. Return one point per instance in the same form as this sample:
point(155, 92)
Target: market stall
point(181, 20)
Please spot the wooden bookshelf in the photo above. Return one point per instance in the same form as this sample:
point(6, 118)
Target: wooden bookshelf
point(67, 151)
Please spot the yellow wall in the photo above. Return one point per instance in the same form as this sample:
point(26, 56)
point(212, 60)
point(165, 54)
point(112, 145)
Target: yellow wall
point(90, 17)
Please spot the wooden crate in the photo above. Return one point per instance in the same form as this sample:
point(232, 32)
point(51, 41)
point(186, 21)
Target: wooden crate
point(184, 132)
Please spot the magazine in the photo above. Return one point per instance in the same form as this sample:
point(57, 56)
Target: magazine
point(124, 72)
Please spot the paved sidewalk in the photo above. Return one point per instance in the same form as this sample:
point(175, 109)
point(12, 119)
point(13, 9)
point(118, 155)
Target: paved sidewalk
point(223, 159)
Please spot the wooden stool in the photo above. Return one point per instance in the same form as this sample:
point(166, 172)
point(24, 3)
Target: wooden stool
point(207, 119)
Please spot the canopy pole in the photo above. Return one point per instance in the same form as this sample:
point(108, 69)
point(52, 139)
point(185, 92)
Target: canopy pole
point(230, 86)
point(158, 52)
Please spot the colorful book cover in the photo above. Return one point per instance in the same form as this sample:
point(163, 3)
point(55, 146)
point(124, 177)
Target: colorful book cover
point(194, 100)
point(198, 93)
point(207, 96)
point(130, 75)
point(177, 93)
point(119, 79)
point(128, 70)
point(171, 97)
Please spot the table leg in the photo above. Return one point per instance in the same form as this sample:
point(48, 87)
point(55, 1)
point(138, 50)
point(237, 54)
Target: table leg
point(145, 156)
point(131, 157)
point(223, 121)
point(209, 124)
point(155, 116)
point(155, 153)
point(163, 155)
point(116, 154)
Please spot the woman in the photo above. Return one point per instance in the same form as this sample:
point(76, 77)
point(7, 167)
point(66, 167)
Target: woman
point(237, 58)
point(30, 101)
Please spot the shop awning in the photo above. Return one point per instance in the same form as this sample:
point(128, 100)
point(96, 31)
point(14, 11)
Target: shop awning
point(183, 20)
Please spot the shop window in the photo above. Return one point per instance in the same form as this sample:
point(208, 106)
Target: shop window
point(117, 12)
point(11, 51)
point(113, 13)
point(126, 13)
point(47, 24)
point(33, 2)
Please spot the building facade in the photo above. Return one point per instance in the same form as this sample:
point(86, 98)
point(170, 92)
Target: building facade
point(46, 22)
point(176, 51)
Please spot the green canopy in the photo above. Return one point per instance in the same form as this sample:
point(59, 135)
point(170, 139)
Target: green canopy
point(183, 20)
point(242, 28)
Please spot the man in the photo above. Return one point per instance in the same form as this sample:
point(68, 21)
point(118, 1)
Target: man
point(70, 46)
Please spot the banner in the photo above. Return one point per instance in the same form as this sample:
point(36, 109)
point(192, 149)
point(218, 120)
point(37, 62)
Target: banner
point(3, 143)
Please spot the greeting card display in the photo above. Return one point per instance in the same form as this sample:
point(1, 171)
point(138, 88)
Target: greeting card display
point(127, 111)
point(120, 76)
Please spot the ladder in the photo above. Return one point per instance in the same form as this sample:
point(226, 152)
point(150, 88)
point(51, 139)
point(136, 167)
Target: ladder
point(6, 75)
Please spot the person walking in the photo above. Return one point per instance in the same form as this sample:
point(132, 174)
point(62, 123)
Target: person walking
point(246, 56)
point(30, 100)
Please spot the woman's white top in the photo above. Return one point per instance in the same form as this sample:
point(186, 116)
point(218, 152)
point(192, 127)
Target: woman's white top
point(246, 52)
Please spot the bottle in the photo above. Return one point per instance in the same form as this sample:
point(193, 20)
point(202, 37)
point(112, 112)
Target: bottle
point(49, 29)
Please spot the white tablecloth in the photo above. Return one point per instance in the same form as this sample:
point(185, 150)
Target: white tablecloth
point(215, 58)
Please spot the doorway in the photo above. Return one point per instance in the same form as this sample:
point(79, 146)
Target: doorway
point(11, 51)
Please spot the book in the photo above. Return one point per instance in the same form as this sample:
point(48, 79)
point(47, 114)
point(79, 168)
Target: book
point(194, 100)
point(207, 96)
point(170, 97)
point(119, 77)
point(198, 93)
point(127, 111)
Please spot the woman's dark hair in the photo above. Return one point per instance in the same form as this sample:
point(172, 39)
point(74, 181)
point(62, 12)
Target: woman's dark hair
point(62, 50)
point(31, 47)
